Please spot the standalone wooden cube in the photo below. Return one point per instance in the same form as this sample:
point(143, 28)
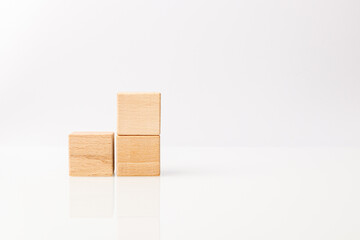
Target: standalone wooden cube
point(138, 113)
point(138, 155)
point(91, 154)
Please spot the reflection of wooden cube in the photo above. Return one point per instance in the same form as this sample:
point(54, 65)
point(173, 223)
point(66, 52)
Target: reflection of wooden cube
point(138, 197)
point(91, 197)
point(138, 207)
point(138, 155)
point(138, 113)
point(91, 154)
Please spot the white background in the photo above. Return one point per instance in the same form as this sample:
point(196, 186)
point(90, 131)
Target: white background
point(260, 118)
point(231, 73)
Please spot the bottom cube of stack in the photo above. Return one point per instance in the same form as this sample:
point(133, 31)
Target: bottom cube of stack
point(138, 155)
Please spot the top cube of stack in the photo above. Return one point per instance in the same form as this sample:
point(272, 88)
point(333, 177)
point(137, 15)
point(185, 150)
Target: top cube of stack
point(138, 113)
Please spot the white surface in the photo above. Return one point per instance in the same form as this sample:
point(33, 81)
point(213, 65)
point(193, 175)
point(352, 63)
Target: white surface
point(232, 73)
point(203, 193)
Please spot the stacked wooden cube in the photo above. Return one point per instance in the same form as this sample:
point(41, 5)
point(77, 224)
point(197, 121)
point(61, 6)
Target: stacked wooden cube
point(138, 134)
point(137, 141)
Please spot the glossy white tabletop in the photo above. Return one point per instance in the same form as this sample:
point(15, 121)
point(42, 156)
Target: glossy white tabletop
point(203, 193)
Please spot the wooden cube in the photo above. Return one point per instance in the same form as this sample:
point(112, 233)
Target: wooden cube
point(138, 155)
point(91, 154)
point(138, 113)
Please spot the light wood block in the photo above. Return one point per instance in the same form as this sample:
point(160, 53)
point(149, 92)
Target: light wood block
point(91, 154)
point(138, 113)
point(138, 155)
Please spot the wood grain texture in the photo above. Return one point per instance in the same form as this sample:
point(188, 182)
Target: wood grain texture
point(91, 154)
point(138, 113)
point(138, 155)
